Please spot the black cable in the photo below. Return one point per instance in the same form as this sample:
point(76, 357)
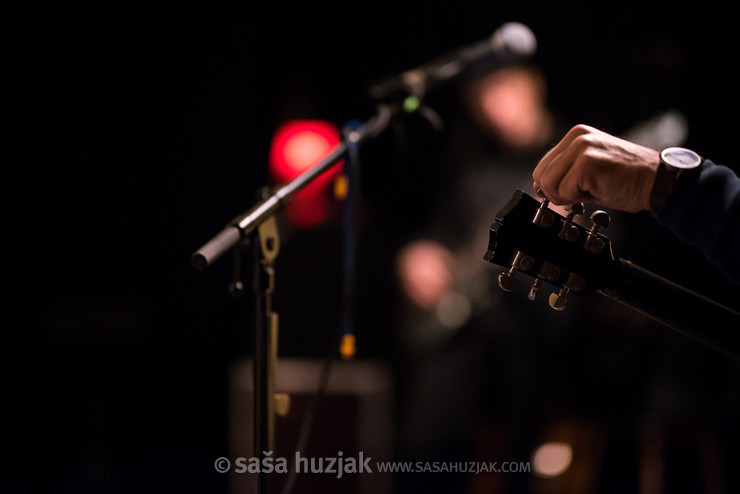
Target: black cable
point(310, 415)
point(351, 220)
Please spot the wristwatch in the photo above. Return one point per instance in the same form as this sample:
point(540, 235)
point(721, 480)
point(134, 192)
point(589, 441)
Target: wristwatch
point(674, 162)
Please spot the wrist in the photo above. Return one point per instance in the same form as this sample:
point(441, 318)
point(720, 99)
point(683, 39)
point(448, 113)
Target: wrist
point(674, 162)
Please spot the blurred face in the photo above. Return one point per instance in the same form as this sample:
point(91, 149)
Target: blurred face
point(510, 103)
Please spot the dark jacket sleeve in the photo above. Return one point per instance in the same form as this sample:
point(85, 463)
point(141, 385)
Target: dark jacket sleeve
point(703, 210)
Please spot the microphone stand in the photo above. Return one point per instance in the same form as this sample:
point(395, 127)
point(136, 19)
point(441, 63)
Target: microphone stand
point(398, 94)
point(256, 229)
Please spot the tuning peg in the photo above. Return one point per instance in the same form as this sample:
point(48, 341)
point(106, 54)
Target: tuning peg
point(507, 281)
point(559, 300)
point(543, 217)
point(569, 231)
point(548, 272)
point(600, 219)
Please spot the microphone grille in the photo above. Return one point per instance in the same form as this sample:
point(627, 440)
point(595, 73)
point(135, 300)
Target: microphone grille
point(514, 38)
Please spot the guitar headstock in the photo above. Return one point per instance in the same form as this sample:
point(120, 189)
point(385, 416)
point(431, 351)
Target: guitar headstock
point(530, 238)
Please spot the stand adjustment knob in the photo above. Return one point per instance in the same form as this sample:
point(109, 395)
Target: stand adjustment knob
point(282, 404)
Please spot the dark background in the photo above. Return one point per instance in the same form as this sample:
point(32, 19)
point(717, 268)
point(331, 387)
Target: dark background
point(138, 129)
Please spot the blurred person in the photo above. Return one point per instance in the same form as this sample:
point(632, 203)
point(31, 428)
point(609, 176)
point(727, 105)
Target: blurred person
point(508, 127)
point(473, 358)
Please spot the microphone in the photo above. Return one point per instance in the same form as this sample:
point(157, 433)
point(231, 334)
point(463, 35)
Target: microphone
point(509, 43)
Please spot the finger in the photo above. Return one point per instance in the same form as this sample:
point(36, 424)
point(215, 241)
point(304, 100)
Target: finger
point(551, 180)
point(571, 188)
point(551, 156)
point(548, 158)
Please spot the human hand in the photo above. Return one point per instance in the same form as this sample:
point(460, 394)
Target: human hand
point(591, 166)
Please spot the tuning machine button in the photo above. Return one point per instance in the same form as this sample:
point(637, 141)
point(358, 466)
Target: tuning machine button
point(569, 231)
point(600, 219)
point(558, 300)
point(549, 272)
point(543, 217)
point(507, 280)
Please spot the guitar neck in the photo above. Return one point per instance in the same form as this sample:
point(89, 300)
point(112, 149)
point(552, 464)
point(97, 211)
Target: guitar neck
point(682, 310)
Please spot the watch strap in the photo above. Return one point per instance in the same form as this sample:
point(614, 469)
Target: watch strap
point(665, 179)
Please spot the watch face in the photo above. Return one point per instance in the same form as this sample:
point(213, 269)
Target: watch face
point(680, 158)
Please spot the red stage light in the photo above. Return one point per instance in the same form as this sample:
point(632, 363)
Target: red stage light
point(297, 146)
point(300, 144)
